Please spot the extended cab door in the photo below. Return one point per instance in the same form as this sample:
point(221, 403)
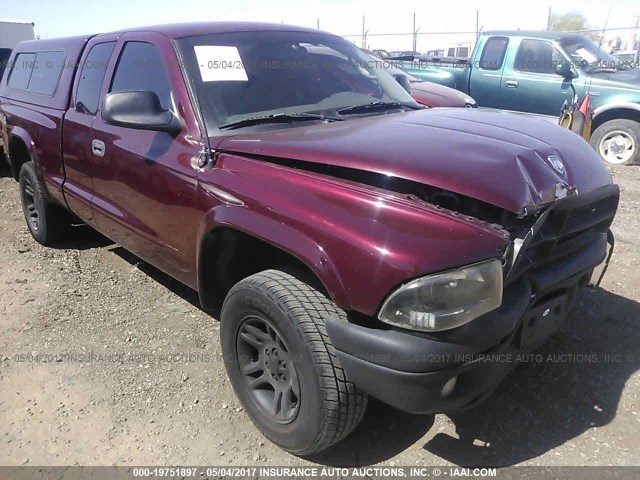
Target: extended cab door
point(80, 160)
point(530, 83)
point(485, 82)
point(145, 186)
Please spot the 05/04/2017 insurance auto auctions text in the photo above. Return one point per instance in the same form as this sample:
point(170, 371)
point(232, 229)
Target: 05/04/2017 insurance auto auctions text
point(315, 472)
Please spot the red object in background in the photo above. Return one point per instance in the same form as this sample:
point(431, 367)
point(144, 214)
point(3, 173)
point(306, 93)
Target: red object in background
point(585, 106)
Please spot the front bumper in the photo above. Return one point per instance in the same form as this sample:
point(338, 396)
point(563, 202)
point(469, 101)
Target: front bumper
point(409, 370)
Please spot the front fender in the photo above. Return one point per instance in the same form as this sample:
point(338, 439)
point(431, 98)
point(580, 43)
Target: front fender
point(280, 235)
point(361, 242)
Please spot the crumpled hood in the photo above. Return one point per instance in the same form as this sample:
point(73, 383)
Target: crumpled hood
point(499, 158)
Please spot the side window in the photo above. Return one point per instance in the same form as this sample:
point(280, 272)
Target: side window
point(463, 52)
point(37, 72)
point(92, 76)
point(536, 56)
point(451, 52)
point(46, 72)
point(141, 67)
point(493, 53)
point(21, 70)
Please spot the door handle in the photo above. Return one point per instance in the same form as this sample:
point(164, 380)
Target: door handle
point(511, 83)
point(98, 148)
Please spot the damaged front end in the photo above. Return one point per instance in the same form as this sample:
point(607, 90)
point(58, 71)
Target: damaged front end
point(553, 252)
point(566, 232)
point(568, 236)
point(555, 248)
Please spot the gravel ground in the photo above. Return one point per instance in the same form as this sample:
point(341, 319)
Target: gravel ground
point(104, 360)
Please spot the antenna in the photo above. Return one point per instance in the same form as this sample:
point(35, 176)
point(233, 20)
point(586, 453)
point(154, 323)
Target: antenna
point(604, 30)
point(206, 154)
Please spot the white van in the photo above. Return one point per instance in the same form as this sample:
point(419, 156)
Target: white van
point(460, 50)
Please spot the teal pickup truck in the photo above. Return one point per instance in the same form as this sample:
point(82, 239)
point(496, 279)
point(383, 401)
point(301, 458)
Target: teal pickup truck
point(533, 73)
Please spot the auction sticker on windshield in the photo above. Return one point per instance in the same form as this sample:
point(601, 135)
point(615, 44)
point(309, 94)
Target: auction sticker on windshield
point(220, 63)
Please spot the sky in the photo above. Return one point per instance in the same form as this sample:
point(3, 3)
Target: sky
point(73, 17)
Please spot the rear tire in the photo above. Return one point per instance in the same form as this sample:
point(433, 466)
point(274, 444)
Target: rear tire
point(618, 142)
point(47, 221)
point(274, 340)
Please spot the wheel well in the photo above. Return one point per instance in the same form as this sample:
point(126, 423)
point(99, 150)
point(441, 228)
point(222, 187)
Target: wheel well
point(18, 155)
point(228, 255)
point(615, 114)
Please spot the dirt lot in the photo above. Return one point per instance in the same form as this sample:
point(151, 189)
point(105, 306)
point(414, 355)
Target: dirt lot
point(155, 390)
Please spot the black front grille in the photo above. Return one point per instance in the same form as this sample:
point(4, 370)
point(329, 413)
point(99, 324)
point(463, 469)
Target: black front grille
point(569, 229)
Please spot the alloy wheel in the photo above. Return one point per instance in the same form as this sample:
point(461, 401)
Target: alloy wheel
point(33, 216)
point(268, 369)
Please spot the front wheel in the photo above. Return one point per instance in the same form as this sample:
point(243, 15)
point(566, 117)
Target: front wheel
point(618, 142)
point(283, 366)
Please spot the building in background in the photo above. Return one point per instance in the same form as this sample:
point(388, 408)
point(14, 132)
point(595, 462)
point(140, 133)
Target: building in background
point(12, 33)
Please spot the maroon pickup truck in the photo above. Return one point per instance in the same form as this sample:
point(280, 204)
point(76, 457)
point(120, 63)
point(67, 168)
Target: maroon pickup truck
point(358, 243)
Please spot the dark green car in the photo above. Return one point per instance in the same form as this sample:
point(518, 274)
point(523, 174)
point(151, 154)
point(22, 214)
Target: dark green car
point(533, 72)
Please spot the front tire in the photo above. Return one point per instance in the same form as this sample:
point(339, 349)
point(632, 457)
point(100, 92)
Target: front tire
point(47, 221)
point(618, 142)
point(283, 366)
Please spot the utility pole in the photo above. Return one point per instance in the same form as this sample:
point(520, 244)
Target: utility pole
point(415, 34)
point(477, 24)
point(318, 23)
point(549, 19)
point(364, 34)
point(636, 41)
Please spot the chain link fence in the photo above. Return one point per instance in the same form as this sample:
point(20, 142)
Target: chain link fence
point(613, 40)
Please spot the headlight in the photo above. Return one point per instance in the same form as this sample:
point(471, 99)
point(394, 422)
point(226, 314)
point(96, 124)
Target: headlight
point(445, 300)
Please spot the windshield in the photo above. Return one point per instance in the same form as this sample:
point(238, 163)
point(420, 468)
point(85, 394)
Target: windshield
point(586, 54)
point(248, 75)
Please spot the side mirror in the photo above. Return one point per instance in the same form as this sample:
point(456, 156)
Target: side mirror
point(140, 110)
point(403, 81)
point(563, 69)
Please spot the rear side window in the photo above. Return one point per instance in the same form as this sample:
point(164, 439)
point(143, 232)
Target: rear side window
point(141, 67)
point(37, 72)
point(21, 70)
point(92, 76)
point(46, 72)
point(463, 52)
point(493, 53)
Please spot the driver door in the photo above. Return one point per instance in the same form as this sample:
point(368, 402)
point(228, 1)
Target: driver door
point(144, 185)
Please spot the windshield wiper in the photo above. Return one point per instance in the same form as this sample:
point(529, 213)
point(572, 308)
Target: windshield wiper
point(367, 107)
point(277, 118)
